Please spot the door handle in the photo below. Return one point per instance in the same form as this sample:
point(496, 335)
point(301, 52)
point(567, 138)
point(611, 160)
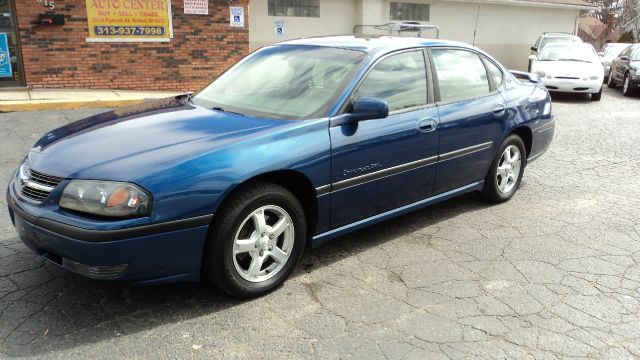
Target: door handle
point(498, 109)
point(427, 125)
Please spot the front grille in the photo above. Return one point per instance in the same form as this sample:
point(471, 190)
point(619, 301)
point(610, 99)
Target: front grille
point(45, 179)
point(36, 185)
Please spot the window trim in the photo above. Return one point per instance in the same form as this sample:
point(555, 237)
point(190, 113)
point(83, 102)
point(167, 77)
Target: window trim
point(429, 84)
point(438, 100)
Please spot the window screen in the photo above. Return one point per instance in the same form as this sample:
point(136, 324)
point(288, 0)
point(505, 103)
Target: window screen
point(301, 8)
point(461, 74)
point(400, 79)
point(409, 11)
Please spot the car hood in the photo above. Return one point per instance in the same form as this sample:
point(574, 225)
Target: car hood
point(568, 68)
point(132, 141)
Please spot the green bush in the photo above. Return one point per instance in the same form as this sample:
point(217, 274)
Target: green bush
point(627, 37)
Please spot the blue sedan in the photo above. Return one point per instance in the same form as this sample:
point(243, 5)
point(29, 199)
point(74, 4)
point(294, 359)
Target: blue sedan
point(296, 144)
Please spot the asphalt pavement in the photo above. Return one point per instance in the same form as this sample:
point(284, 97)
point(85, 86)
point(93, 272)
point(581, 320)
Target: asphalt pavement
point(554, 273)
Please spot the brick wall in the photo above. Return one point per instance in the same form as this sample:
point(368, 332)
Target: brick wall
point(59, 57)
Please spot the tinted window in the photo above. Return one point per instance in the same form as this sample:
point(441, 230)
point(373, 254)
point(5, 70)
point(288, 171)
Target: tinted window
point(495, 73)
point(409, 11)
point(461, 74)
point(400, 79)
point(306, 8)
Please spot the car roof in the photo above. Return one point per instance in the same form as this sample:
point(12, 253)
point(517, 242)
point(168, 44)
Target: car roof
point(373, 43)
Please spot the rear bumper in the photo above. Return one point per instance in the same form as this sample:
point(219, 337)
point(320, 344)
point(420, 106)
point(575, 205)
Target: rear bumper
point(542, 137)
point(156, 257)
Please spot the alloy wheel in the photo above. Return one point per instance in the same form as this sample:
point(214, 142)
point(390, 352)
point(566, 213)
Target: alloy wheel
point(508, 169)
point(263, 243)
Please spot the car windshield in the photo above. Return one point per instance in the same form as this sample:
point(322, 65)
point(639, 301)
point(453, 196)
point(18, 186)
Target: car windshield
point(557, 40)
point(568, 53)
point(286, 82)
point(614, 50)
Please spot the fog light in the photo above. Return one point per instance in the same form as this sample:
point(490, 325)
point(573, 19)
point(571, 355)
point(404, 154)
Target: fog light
point(94, 272)
point(593, 77)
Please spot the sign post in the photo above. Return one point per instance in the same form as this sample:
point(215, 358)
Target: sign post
point(5, 57)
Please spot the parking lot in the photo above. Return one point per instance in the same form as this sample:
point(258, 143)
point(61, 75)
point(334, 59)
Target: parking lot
point(554, 273)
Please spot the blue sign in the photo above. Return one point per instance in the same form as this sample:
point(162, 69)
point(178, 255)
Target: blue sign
point(5, 58)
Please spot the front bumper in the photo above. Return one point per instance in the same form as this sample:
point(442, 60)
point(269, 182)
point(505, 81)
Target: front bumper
point(573, 86)
point(146, 255)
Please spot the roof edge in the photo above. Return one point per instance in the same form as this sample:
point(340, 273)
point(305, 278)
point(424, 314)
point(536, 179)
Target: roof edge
point(533, 3)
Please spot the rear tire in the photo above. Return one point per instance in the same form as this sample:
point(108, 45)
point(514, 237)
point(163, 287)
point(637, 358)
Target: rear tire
point(506, 171)
point(596, 96)
point(256, 240)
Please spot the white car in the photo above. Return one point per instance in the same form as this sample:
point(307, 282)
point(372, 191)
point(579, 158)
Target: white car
point(570, 68)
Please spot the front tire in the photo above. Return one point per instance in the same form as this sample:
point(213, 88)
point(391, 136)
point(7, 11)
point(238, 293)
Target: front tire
point(611, 84)
point(506, 171)
point(256, 240)
point(597, 96)
point(626, 85)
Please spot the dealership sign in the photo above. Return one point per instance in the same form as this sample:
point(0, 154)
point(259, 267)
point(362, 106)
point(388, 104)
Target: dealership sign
point(129, 20)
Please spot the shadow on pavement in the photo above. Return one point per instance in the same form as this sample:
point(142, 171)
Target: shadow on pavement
point(64, 311)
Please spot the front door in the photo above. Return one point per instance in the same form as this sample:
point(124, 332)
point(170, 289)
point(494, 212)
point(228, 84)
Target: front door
point(379, 165)
point(11, 73)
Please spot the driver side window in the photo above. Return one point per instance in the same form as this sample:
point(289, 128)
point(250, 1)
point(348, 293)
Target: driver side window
point(399, 79)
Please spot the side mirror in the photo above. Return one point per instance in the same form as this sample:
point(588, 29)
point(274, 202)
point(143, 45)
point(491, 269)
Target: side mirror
point(533, 48)
point(369, 108)
point(624, 58)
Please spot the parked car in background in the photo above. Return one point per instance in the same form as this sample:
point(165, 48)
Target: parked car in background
point(296, 144)
point(625, 70)
point(570, 68)
point(609, 52)
point(549, 38)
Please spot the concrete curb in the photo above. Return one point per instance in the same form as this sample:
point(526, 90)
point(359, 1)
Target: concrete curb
point(64, 105)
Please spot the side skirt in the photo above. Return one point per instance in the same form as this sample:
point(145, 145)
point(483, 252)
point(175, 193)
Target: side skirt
point(321, 238)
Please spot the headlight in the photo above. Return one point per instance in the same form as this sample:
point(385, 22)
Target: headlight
point(105, 198)
point(547, 109)
point(542, 74)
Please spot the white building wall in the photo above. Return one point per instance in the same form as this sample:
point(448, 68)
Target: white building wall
point(504, 31)
point(336, 17)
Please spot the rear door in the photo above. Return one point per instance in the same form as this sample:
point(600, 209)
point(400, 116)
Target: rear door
point(382, 164)
point(471, 111)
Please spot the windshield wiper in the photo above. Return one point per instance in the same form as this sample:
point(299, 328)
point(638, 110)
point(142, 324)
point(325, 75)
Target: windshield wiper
point(580, 60)
point(219, 108)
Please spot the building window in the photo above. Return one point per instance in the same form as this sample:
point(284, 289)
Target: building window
point(408, 11)
point(301, 8)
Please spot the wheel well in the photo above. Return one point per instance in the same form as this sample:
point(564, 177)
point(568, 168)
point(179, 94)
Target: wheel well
point(527, 137)
point(298, 184)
